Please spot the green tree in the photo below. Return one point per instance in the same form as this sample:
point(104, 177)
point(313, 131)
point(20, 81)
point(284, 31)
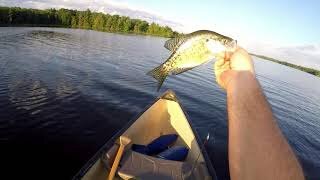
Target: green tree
point(108, 22)
point(128, 25)
point(64, 17)
point(114, 23)
point(80, 20)
point(4, 15)
point(120, 24)
point(87, 19)
point(98, 22)
point(141, 27)
point(10, 16)
point(74, 23)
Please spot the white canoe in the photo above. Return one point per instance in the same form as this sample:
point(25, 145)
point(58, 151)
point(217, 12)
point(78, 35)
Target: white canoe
point(164, 116)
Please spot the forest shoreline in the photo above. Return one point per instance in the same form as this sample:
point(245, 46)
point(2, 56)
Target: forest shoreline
point(68, 18)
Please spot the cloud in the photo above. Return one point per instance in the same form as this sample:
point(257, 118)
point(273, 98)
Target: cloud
point(305, 55)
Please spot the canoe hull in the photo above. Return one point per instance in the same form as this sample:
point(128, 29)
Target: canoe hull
point(164, 116)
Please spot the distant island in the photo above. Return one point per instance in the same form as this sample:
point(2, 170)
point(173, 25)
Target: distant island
point(16, 16)
point(305, 69)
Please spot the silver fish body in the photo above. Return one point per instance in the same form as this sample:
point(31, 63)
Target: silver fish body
point(190, 51)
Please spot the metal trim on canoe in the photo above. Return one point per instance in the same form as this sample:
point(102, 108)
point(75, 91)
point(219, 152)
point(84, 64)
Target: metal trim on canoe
point(168, 95)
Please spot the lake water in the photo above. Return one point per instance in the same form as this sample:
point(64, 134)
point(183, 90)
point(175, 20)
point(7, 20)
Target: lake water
point(65, 92)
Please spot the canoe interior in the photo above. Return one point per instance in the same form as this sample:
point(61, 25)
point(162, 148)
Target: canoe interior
point(165, 116)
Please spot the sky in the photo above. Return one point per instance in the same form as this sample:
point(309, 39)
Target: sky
point(284, 29)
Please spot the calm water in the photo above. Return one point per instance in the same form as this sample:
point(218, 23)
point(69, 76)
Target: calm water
point(64, 93)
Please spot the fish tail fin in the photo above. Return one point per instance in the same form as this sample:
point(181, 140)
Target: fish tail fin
point(160, 74)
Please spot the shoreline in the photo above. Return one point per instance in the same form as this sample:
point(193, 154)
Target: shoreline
point(57, 26)
point(301, 68)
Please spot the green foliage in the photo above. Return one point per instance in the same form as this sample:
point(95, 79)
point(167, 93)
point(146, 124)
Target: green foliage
point(65, 17)
point(74, 22)
point(160, 31)
point(98, 22)
point(15, 16)
point(305, 69)
point(141, 26)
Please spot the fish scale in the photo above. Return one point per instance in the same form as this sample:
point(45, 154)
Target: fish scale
point(190, 54)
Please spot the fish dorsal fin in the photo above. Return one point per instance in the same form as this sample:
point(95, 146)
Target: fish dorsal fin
point(174, 43)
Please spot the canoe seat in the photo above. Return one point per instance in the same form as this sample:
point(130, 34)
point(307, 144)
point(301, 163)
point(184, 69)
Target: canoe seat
point(136, 165)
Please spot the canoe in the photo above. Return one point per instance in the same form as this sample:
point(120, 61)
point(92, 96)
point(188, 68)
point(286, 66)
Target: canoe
point(164, 116)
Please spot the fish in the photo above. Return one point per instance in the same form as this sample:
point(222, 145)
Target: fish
point(191, 50)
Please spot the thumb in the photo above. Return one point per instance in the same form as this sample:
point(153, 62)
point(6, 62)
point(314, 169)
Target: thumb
point(220, 67)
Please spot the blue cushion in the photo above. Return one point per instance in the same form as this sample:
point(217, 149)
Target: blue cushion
point(161, 143)
point(177, 153)
point(140, 149)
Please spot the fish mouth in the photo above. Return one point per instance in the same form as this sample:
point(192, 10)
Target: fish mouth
point(234, 43)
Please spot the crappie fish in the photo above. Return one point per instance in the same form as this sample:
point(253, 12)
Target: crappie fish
point(191, 50)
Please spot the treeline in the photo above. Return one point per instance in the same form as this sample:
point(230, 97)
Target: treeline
point(15, 16)
point(305, 69)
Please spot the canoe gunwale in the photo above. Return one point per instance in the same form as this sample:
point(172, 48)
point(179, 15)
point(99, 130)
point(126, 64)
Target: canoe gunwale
point(168, 95)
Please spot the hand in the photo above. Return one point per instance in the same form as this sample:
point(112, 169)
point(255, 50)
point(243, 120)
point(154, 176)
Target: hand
point(230, 64)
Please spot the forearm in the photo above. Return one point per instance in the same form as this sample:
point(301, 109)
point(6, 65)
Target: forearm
point(257, 148)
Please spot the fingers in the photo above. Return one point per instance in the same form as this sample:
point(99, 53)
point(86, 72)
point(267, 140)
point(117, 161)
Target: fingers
point(220, 67)
point(229, 62)
point(222, 64)
point(219, 63)
point(241, 61)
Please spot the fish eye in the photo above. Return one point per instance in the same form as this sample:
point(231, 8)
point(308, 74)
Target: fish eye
point(207, 40)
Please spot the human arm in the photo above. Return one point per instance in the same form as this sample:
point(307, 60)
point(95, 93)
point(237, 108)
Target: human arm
point(257, 148)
